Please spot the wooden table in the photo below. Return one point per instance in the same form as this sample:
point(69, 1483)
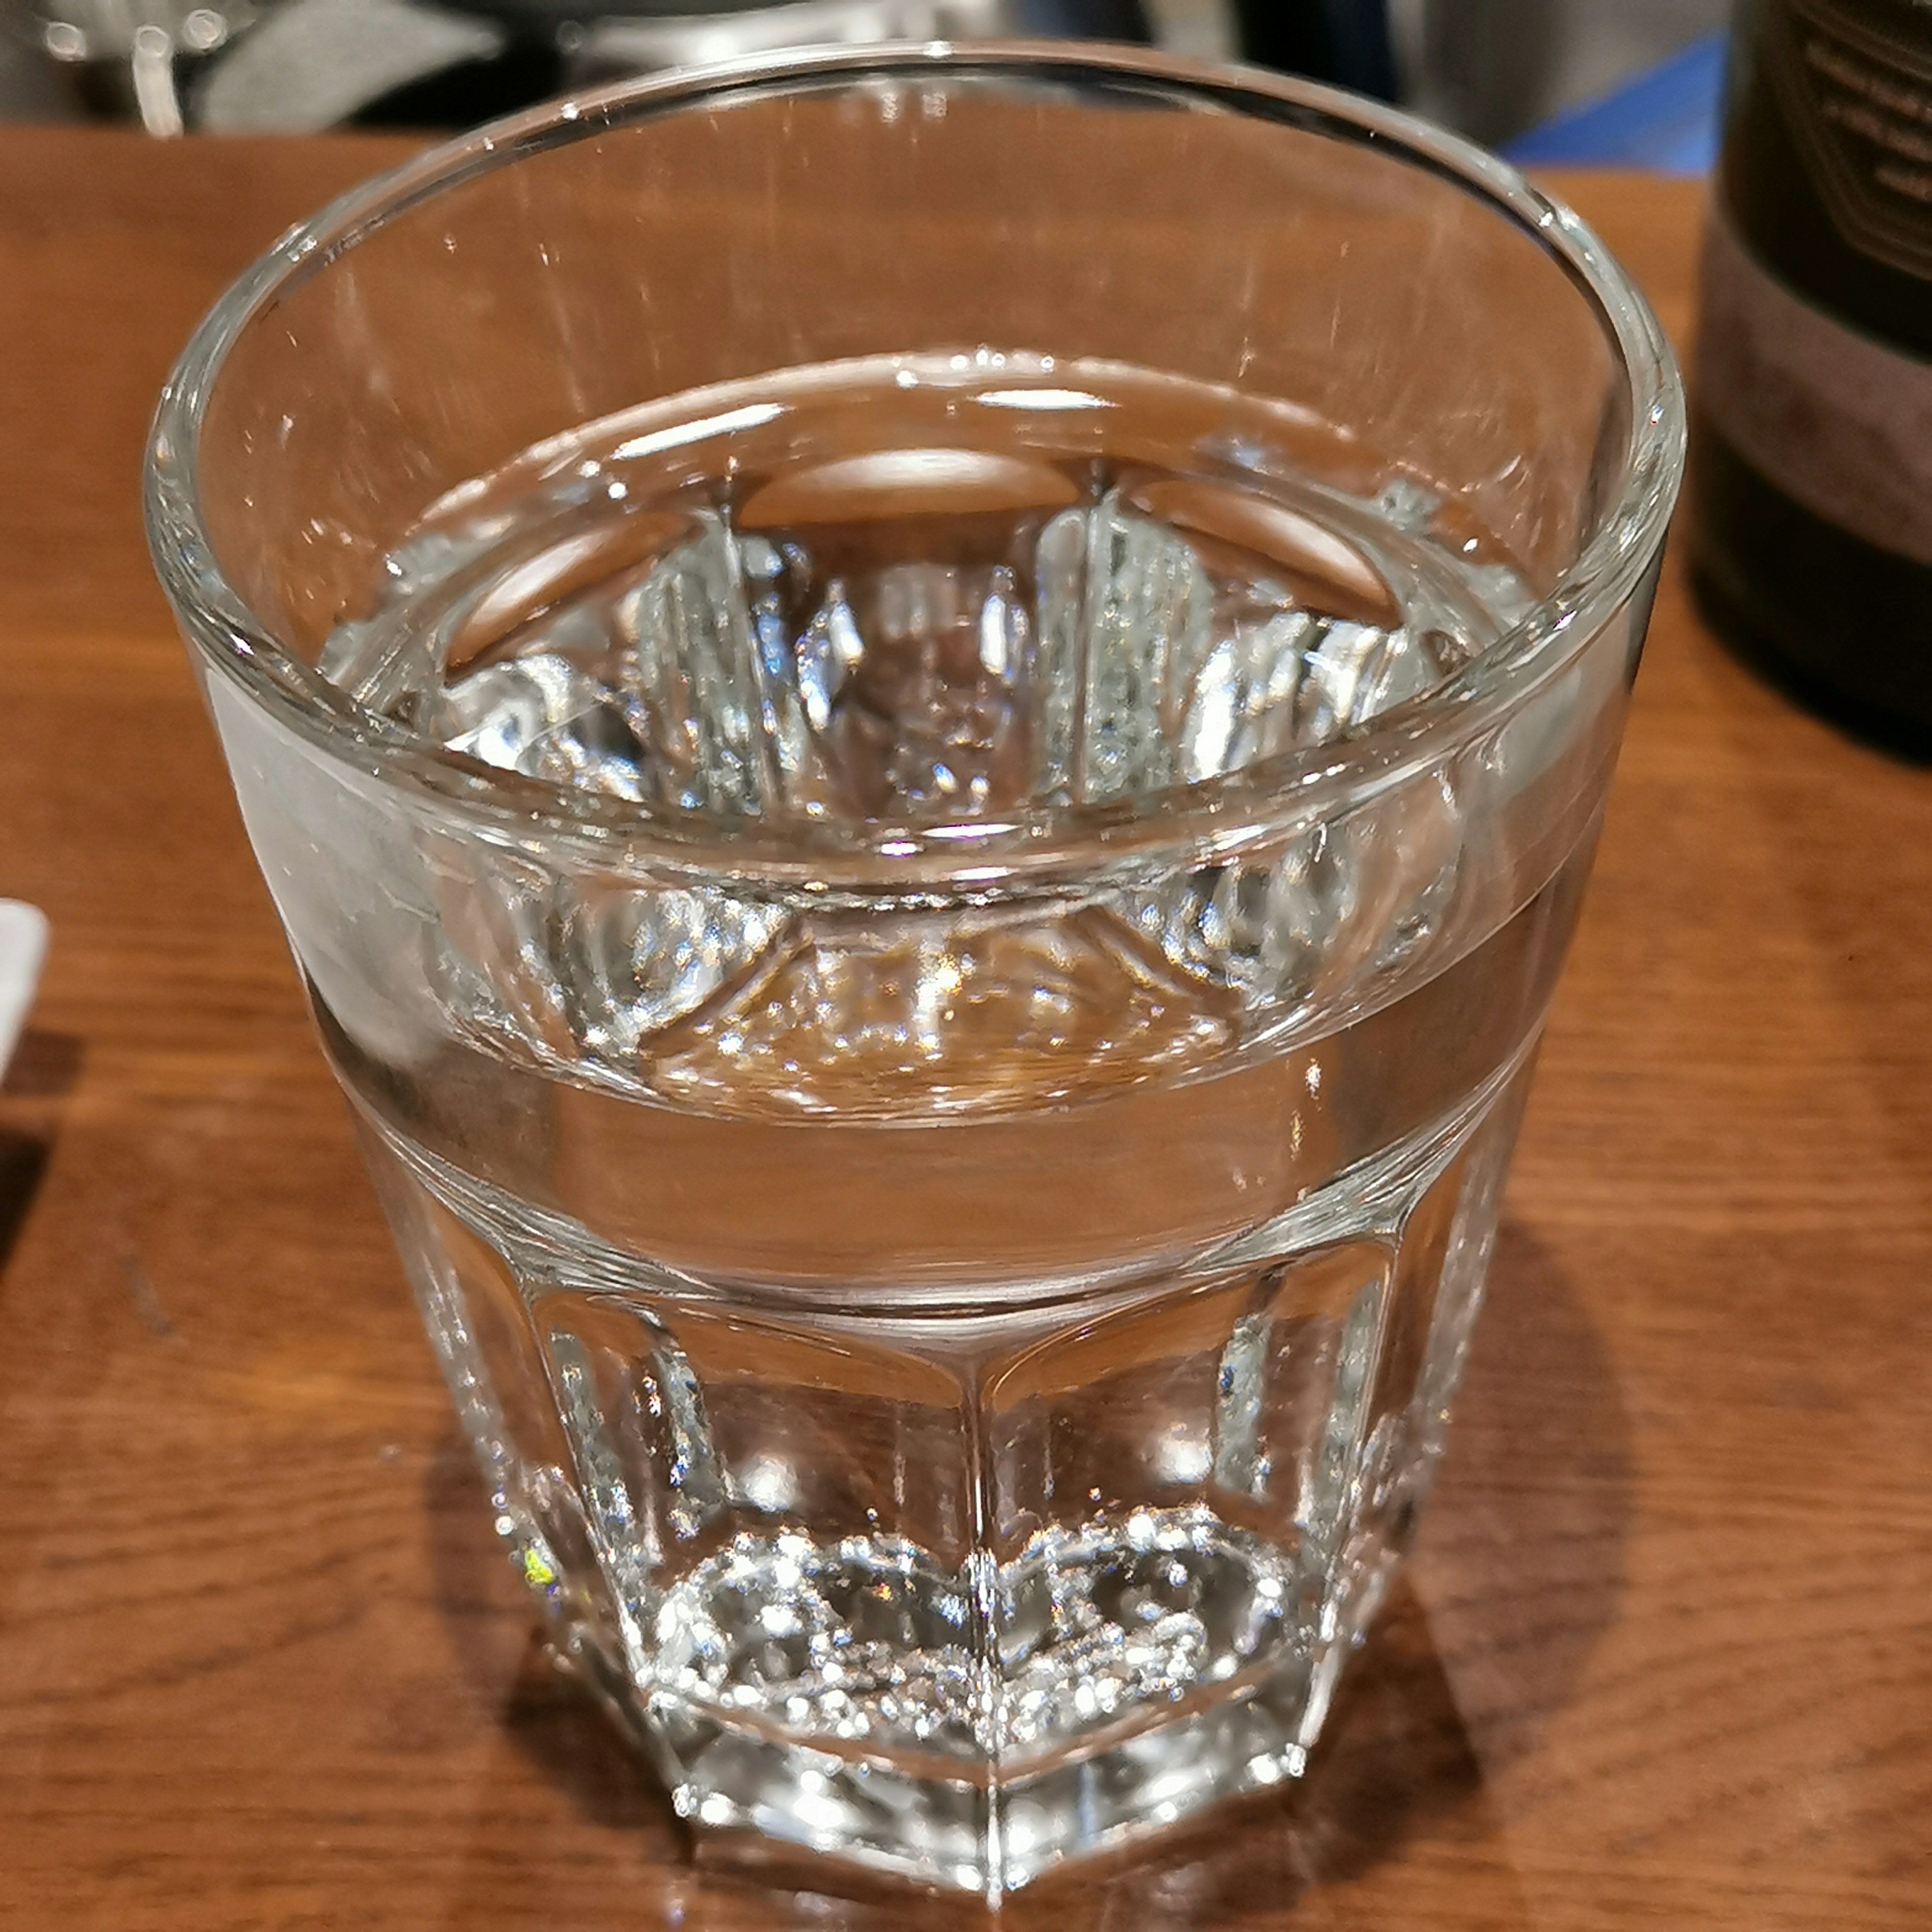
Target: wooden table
point(1665, 1659)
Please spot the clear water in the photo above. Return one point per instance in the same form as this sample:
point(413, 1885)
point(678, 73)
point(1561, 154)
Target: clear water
point(958, 1376)
point(924, 588)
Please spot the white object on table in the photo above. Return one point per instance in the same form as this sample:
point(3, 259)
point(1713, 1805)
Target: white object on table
point(23, 944)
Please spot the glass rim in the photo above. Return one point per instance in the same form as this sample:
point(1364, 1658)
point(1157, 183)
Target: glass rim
point(1219, 816)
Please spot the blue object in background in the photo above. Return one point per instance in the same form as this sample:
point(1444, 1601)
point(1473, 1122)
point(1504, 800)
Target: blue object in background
point(1665, 120)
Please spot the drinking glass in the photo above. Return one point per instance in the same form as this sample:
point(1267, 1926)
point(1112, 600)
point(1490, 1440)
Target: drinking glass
point(928, 722)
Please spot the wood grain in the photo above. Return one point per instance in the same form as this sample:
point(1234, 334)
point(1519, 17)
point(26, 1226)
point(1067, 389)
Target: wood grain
point(1666, 1656)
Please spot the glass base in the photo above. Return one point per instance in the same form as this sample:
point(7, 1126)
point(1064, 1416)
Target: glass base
point(954, 1597)
point(977, 1828)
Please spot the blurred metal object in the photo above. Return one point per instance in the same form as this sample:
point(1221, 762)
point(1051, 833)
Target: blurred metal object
point(316, 64)
point(636, 36)
point(304, 65)
point(139, 57)
point(1493, 68)
point(558, 13)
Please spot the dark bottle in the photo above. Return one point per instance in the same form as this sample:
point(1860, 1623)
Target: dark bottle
point(1346, 41)
point(1811, 486)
